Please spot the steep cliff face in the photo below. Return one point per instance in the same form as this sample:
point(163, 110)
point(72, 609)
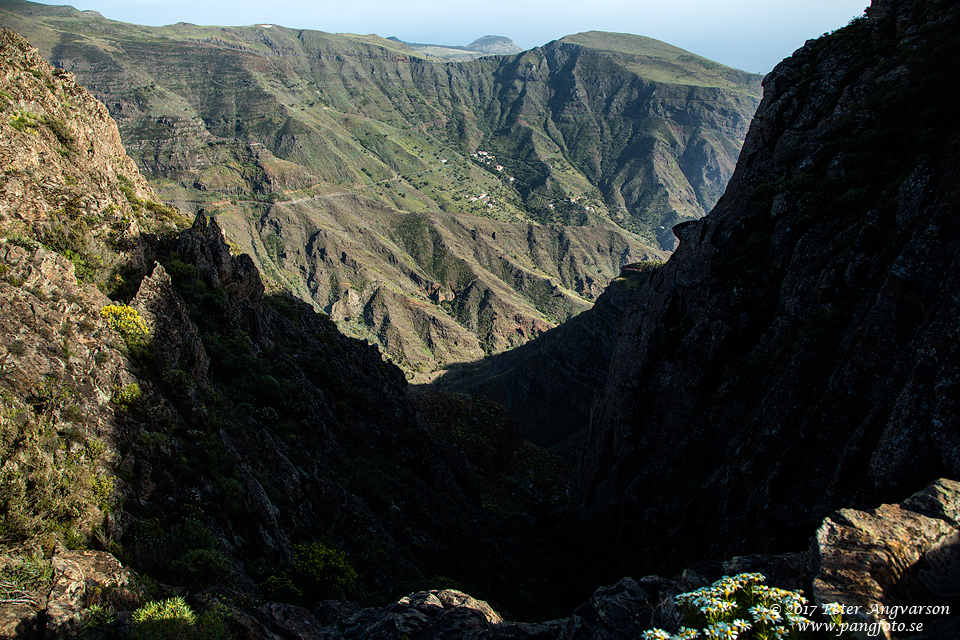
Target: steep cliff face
point(72, 207)
point(64, 165)
point(797, 353)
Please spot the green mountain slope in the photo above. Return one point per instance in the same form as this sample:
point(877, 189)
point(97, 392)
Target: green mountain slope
point(264, 126)
point(661, 62)
point(429, 287)
point(556, 118)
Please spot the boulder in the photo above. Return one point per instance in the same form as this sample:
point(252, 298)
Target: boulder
point(898, 563)
point(81, 579)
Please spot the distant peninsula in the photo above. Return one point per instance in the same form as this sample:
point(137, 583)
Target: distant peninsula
point(485, 46)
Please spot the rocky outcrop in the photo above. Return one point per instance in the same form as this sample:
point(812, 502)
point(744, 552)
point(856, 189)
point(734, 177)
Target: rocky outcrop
point(618, 611)
point(162, 309)
point(793, 355)
point(897, 564)
point(443, 613)
point(41, 132)
point(82, 579)
point(892, 568)
point(79, 580)
point(494, 45)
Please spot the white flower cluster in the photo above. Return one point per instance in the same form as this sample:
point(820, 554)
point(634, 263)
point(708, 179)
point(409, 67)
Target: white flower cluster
point(737, 607)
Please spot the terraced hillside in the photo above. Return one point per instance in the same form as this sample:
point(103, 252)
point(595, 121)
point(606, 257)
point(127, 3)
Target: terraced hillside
point(596, 142)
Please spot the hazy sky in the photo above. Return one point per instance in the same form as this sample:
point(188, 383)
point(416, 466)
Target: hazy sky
point(753, 35)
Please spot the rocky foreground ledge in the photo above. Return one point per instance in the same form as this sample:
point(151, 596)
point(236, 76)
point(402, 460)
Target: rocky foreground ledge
point(898, 563)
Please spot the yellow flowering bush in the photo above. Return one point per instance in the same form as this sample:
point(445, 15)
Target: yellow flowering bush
point(126, 321)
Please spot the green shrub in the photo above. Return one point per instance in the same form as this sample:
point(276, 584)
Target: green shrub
point(213, 626)
point(102, 487)
point(281, 588)
point(95, 447)
point(24, 575)
point(126, 186)
point(62, 131)
point(23, 120)
point(201, 568)
point(97, 621)
point(146, 532)
point(84, 266)
point(73, 412)
point(45, 482)
point(192, 534)
point(17, 348)
point(126, 395)
point(23, 241)
point(164, 620)
point(324, 572)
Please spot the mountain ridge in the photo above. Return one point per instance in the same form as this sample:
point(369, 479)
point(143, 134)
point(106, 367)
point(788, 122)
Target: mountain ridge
point(297, 118)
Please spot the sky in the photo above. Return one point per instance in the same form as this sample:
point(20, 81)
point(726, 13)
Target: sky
point(753, 35)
